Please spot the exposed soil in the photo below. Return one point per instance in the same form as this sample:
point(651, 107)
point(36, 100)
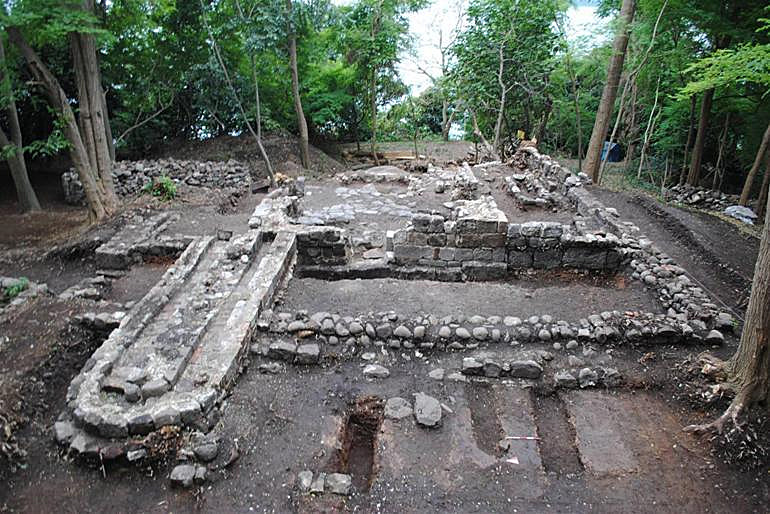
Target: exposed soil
point(713, 251)
point(528, 296)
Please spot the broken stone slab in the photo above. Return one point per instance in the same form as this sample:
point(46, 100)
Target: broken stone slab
point(304, 480)
point(308, 353)
point(183, 475)
point(376, 371)
point(339, 483)
point(282, 350)
point(427, 410)
point(525, 369)
point(317, 485)
point(397, 408)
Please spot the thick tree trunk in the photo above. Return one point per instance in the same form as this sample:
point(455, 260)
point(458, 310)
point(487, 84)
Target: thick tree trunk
point(746, 193)
point(693, 177)
point(750, 366)
point(607, 104)
point(99, 193)
point(690, 132)
point(301, 121)
point(16, 163)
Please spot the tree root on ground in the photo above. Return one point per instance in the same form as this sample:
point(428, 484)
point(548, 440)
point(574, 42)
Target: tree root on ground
point(735, 409)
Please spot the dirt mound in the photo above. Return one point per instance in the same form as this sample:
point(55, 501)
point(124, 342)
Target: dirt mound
point(282, 149)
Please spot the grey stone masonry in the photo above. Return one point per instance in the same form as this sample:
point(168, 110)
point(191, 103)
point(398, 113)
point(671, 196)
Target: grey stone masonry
point(179, 347)
point(129, 177)
point(137, 238)
point(478, 239)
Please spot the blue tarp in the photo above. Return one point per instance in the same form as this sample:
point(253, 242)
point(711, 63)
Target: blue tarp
point(614, 150)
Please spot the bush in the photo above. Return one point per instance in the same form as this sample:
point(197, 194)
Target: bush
point(162, 187)
point(13, 291)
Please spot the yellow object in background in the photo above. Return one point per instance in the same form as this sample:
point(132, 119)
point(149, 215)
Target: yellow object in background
point(520, 135)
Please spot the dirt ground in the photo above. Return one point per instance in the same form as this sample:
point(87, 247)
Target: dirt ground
point(568, 296)
point(600, 451)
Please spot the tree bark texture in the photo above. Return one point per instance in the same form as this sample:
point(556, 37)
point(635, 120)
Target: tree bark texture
point(693, 177)
point(765, 189)
point(747, 185)
point(301, 121)
point(750, 366)
point(607, 103)
point(690, 132)
point(99, 193)
point(16, 163)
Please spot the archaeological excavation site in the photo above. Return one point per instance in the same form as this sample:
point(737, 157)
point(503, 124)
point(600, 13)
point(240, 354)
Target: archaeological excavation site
point(483, 330)
point(385, 256)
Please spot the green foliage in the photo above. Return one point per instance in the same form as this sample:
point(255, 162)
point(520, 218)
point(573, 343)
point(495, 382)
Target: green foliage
point(162, 187)
point(11, 292)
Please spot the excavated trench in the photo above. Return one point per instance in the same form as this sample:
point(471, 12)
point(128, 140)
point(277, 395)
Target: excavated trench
point(357, 454)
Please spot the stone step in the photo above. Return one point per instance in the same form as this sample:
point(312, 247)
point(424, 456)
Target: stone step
point(137, 238)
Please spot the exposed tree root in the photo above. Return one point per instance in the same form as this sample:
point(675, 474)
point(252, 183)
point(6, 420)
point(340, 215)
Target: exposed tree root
point(735, 409)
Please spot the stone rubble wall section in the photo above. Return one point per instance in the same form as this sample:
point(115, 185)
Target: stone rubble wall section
point(137, 238)
point(94, 411)
point(700, 197)
point(333, 332)
point(129, 177)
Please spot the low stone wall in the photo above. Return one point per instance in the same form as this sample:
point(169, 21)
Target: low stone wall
point(482, 237)
point(130, 177)
point(323, 246)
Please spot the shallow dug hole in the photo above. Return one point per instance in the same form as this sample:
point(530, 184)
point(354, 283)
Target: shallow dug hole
point(358, 440)
point(565, 296)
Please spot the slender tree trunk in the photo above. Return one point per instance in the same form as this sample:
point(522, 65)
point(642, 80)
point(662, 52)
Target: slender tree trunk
point(258, 106)
point(301, 121)
point(480, 135)
point(373, 94)
point(503, 92)
point(99, 193)
point(763, 192)
point(690, 133)
point(445, 122)
point(720, 157)
point(648, 132)
point(16, 163)
point(108, 128)
point(746, 193)
point(604, 113)
point(693, 177)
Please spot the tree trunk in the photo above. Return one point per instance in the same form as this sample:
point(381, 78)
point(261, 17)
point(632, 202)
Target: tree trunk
point(693, 177)
point(373, 94)
point(108, 128)
point(690, 132)
point(746, 193)
point(715, 184)
point(301, 121)
point(607, 104)
point(750, 366)
point(99, 193)
point(446, 122)
point(480, 135)
point(258, 106)
point(763, 192)
point(503, 91)
point(16, 163)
